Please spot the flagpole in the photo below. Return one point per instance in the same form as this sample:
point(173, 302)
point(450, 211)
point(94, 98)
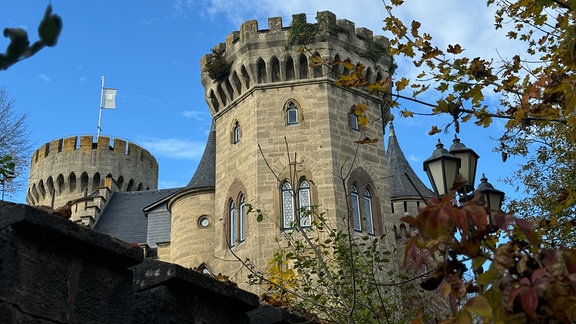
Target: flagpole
point(100, 112)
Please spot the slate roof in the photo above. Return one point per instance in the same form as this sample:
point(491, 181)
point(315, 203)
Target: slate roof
point(124, 217)
point(205, 175)
point(400, 170)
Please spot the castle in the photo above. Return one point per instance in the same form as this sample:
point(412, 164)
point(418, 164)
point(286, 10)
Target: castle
point(279, 126)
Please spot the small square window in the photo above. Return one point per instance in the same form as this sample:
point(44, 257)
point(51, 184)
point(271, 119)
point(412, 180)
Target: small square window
point(353, 121)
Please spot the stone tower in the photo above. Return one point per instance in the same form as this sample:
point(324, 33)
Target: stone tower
point(268, 103)
point(84, 169)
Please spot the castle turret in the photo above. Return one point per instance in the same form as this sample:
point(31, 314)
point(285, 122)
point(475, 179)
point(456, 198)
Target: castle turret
point(269, 103)
point(75, 167)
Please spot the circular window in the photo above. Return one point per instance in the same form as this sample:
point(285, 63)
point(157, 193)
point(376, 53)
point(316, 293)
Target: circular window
point(203, 221)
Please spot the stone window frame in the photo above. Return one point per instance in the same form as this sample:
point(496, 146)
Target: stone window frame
point(233, 225)
point(289, 203)
point(353, 120)
point(236, 132)
point(292, 109)
point(236, 229)
point(363, 183)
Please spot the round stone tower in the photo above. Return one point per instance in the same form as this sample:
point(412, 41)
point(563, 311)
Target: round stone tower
point(75, 167)
point(267, 100)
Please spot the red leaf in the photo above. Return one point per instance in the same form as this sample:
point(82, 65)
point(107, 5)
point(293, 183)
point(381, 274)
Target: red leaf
point(527, 227)
point(529, 302)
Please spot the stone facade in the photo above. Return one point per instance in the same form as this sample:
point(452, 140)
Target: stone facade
point(266, 77)
point(277, 120)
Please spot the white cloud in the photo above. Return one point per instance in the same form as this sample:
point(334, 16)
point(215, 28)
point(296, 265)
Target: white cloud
point(196, 115)
point(44, 77)
point(174, 148)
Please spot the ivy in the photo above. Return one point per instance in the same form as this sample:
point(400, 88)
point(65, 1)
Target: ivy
point(218, 68)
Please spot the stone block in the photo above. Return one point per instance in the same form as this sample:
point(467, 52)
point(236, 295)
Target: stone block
point(55, 271)
point(169, 293)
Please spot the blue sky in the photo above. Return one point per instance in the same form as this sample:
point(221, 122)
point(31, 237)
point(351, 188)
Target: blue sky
point(150, 52)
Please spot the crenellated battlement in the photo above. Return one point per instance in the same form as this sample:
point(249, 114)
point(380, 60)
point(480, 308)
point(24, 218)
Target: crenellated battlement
point(80, 166)
point(88, 143)
point(252, 57)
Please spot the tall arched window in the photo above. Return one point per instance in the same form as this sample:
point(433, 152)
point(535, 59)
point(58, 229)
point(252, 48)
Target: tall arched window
point(236, 133)
point(355, 204)
point(305, 205)
point(242, 220)
point(232, 215)
point(368, 221)
point(291, 114)
point(287, 205)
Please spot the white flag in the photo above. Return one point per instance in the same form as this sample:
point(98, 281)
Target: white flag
point(109, 98)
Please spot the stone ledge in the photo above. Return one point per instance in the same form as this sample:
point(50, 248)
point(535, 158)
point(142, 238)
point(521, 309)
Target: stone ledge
point(152, 273)
point(35, 223)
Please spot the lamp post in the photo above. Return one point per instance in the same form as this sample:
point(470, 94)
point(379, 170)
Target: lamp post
point(443, 167)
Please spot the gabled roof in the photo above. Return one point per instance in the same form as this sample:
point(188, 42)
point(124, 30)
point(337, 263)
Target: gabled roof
point(404, 183)
point(124, 217)
point(205, 175)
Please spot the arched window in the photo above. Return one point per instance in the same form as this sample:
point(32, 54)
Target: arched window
point(317, 67)
point(275, 69)
point(232, 215)
point(242, 220)
point(261, 66)
point(84, 181)
point(245, 77)
point(287, 197)
point(368, 221)
point(289, 69)
point(236, 133)
point(72, 181)
point(214, 101)
point(130, 186)
point(303, 61)
point(305, 209)
point(291, 114)
point(355, 204)
point(96, 181)
point(60, 183)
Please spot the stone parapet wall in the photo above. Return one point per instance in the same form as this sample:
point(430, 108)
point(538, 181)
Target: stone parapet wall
point(55, 271)
point(263, 56)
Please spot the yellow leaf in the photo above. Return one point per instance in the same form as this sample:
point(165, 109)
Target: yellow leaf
point(348, 64)
point(316, 61)
point(407, 113)
point(480, 306)
point(360, 109)
point(363, 120)
point(402, 83)
point(456, 49)
point(434, 130)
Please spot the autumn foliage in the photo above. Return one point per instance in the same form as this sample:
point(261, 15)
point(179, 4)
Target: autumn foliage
point(524, 283)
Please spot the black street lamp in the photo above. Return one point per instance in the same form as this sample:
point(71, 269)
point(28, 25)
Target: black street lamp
point(492, 197)
point(442, 169)
point(468, 163)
